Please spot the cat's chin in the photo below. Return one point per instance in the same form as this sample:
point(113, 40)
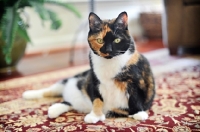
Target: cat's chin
point(108, 57)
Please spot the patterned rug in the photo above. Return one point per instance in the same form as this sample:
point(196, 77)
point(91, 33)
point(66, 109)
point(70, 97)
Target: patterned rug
point(176, 106)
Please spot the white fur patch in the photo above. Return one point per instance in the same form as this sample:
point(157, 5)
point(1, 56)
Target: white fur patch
point(106, 70)
point(113, 97)
point(75, 97)
point(92, 118)
point(141, 115)
point(57, 109)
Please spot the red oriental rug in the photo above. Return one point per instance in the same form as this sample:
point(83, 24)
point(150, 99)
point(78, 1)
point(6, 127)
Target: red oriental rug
point(176, 106)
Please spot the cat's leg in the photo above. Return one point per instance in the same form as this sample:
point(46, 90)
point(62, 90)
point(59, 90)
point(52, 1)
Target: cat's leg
point(58, 108)
point(136, 107)
point(96, 114)
point(52, 91)
point(115, 113)
point(74, 98)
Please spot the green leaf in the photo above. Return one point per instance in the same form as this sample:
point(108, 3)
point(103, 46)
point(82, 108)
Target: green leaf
point(65, 5)
point(55, 25)
point(41, 2)
point(46, 14)
point(8, 58)
point(24, 3)
point(43, 13)
point(9, 27)
point(55, 22)
point(22, 30)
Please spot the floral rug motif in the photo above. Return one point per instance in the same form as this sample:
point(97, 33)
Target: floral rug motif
point(176, 106)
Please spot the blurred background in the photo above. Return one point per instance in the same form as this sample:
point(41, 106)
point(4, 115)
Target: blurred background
point(173, 25)
point(42, 37)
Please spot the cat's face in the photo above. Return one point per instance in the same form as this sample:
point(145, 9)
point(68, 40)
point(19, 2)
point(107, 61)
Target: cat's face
point(109, 38)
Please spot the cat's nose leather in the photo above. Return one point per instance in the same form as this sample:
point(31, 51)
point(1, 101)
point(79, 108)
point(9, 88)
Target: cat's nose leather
point(108, 48)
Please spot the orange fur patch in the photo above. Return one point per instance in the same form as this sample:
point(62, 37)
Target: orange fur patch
point(143, 73)
point(121, 85)
point(105, 30)
point(97, 107)
point(93, 40)
point(142, 84)
point(150, 91)
point(50, 94)
point(123, 112)
point(134, 58)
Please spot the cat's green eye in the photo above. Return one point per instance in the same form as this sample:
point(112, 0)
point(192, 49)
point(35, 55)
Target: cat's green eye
point(99, 40)
point(117, 40)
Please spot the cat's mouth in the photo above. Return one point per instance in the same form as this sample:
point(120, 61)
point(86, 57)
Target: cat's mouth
point(108, 57)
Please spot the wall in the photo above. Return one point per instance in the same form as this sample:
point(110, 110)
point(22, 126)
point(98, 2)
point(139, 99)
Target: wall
point(42, 37)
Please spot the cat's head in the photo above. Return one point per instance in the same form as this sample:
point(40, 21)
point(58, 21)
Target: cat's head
point(109, 38)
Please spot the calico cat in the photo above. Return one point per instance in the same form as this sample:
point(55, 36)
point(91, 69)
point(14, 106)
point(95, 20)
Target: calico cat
point(119, 83)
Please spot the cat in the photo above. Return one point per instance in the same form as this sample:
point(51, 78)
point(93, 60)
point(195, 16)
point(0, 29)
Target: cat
point(119, 82)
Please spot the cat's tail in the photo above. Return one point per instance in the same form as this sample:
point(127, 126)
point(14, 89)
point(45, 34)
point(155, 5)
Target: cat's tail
point(54, 90)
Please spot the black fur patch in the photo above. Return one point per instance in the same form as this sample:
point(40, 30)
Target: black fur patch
point(66, 103)
point(114, 114)
point(80, 84)
point(64, 81)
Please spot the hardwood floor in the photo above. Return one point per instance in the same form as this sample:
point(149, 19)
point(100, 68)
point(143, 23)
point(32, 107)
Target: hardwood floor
point(44, 62)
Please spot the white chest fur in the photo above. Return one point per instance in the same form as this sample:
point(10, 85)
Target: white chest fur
point(113, 97)
point(106, 70)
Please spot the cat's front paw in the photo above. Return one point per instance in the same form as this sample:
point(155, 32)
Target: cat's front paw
point(141, 115)
point(57, 109)
point(92, 118)
point(53, 111)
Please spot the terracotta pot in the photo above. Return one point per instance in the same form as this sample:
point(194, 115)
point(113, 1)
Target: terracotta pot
point(17, 53)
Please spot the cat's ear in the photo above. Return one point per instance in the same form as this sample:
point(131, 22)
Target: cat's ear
point(94, 22)
point(121, 21)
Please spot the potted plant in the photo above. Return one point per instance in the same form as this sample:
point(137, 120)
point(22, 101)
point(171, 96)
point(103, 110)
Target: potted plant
point(13, 27)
